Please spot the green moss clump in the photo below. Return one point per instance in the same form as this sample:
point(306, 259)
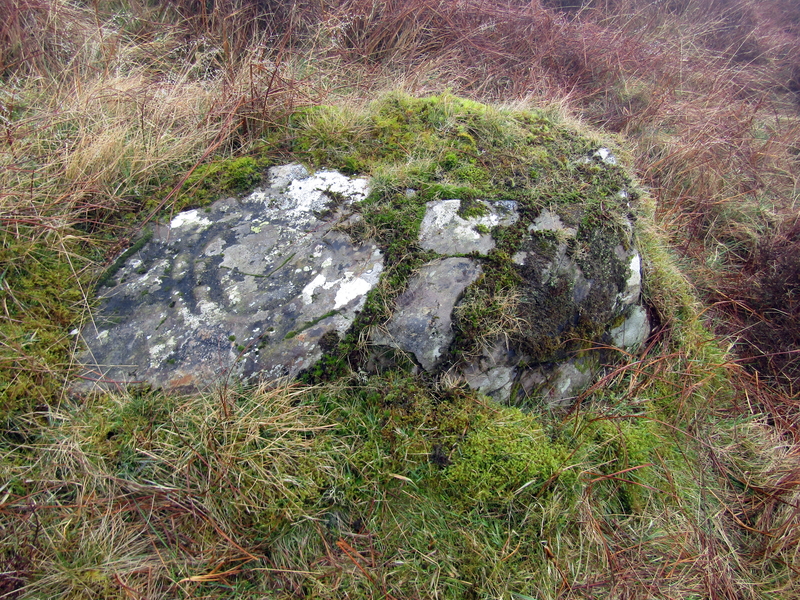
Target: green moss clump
point(468, 150)
point(631, 454)
point(469, 209)
point(214, 180)
point(41, 301)
point(505, 456)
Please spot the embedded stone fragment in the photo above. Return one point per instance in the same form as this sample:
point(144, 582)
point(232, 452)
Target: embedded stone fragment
point(559, 383)
point(422, 319)
point(445, 231)
point(493, 373)
point(550, 221)
point(634, 330)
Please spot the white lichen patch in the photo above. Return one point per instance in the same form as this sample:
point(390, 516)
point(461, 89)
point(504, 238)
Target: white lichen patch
point(189, 219)
point(280, 177)
point(311, 194)
point(355, 288)
point(234, 295)
point(210, 312)
point(348, 287)
point(353, 189)
point(160, 352)
point(237, 292)
point(635, 280)
point(440, 214)
point(633, 285)
point(180, 266)
point(606, 156)
point(633, 332)
point(149, 281)
point(308, 291)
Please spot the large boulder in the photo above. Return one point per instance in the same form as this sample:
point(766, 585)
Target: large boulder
point(262, 286)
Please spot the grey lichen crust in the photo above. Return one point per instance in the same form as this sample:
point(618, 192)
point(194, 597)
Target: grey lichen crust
point(444, 231)
point(249, 287)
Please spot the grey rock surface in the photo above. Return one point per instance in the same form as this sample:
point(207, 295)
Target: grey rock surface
point(422, 319)
point(246, 288)
point(558, 384)
point(493, 373)
point(633, 331)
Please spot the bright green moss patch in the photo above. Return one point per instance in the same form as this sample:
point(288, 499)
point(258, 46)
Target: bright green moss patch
point(41, 299)
point(213, 180)
point(458, 148)
point(470, 208)
point(503, 458)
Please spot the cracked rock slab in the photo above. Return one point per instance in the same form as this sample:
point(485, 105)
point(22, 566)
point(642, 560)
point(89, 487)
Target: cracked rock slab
point(422, 320)
point(247, 287)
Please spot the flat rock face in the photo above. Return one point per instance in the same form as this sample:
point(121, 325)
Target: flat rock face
point(445, 231)
point(245, 288)
point(422, 319)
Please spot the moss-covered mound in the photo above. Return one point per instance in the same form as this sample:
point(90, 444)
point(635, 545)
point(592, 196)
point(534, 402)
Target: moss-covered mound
point(556, 279)
point(393, 483)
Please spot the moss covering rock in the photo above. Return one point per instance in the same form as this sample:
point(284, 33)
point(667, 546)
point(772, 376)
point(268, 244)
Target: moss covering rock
point(503, 241)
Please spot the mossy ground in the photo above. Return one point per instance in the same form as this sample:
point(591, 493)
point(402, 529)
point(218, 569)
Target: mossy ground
point(681, 479)
point(377, 487)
